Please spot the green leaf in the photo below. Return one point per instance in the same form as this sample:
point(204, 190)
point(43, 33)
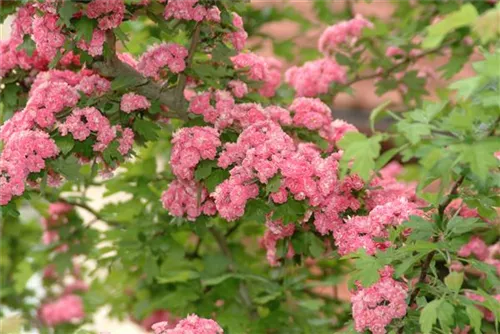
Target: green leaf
point(459, 225)
point(147, 129)
point(413, 131)
point(486, 26)
point(475, 317)
point(284, 49)
point(465, 16)
point(66, 12)
point(407, 263)
point(454, 281)
point(367, 269)
point(67, 167)
point(21, 276)
point(316, 246)
point(445, 313)
point(177, 276)
point(362, 150)
point(215, 178)
point(428, 316)
point(204, 169)
point(274, 184)
point(216, 280)
point(421, 229)
point(27, 45)
point(312, 304)
point(65, 143)
point(378, 111)
point(290, 212)
point(256, 210)
point(111, 153)
point(85, 28)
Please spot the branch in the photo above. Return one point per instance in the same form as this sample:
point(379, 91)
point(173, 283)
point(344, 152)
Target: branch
point(244, 293)
point(91, 211)
point(113, 67)
point(181, 85)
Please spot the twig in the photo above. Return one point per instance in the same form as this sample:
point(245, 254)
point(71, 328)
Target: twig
point(91, 211)
point(243, 290)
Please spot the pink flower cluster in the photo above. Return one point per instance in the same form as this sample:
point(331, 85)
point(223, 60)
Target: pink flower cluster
point(49, 99)
point(131, 102)
point(477, 247)
point(93, 84)
point(225, 112)
point(488, 315)
point(12, 57)
point(190, 10)
point(342, 33)
point(82, 122)
point(363, 231)
point(24, 152)
point(47, 35)
point(67, 309)
point(109, 14)
point(192, 324)
point(239, 37)
point(157, 57)
point(190, 146)
point(265, 70)
point(95, 46)
point(374, 307)
point(159, 316)
point(187, 198)
point(315, 77)
point(275, 230)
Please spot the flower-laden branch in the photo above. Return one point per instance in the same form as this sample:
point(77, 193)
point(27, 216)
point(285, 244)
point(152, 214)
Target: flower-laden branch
point(112, 67)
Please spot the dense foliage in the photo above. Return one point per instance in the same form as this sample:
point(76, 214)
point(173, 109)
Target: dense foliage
point(242, 202)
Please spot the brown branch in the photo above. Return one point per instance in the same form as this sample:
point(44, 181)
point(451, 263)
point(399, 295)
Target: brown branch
point(181, 85)
point(243, 290)
point(91, 211)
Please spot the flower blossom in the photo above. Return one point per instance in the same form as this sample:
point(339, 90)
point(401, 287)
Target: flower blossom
point(95, 46)
point(374, 307)
point(169, 55)
point(190, 146)
point(239, 37)
point(47, 35)
point(66, 309)
point(190, 10)
point(109, 14)
point(192, 324)
point(131, 102)
point(187, 198)
point(262, 69)
point(315, 77)
point(477, 247)
point(342, 33)
point(275, 230)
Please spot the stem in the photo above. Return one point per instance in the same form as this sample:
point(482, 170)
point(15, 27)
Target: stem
point(91, 211)
point(243, 290)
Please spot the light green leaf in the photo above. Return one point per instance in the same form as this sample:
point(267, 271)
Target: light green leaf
point(21, 276)
point(362, 150)
point(445, 313)
point(475, 317)
point(454, 281)
point(177, 276)
point(428, 316)
point(378, 111)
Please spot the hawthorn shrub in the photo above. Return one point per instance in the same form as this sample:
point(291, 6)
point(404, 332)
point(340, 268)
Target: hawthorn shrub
point(244, 202)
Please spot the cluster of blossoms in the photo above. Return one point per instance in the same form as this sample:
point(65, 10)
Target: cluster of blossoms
point(275, 231)
point(315, 77)
point(132, 102)
point(169, 55)
point(190, 10)
point(345, 32)
point(66, 309)
point(109, 14)
point(374, 307)
point(226, 113)
point(261, 69)
point(239, 37)
point(192, 324)
point(185, 196)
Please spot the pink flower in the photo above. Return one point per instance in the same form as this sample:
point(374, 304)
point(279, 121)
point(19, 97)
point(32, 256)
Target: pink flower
point(192, 324)
point(109, 14)
point(488, 315)
point(190, 146)
point(232, 194)
point(238, 87)
point(239, 37)
point(47, 35)
point(159, 319)
point(266, 70)
point(190, 10)
point(94, 84)
point(374, 307)
point(131, 102)
point(477, 247)
point(315, 77)
point(311, 113)
point(126, 139)
point(342, 33)
point(169, 55)
point(393, 51)
point(66, 309)
point(187, 198)
point(275, 230)
point(95, 46)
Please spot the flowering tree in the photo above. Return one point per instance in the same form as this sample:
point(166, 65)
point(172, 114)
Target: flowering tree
point(243, 199)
